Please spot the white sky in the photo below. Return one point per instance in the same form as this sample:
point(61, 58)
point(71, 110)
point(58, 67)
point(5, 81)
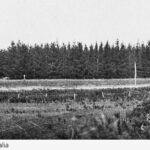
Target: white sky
point(88, 21)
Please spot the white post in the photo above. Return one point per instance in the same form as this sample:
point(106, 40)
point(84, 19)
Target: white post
point(135, 73)
point(46, 95)
point(74, 95)
point(18, 95)
point(24, 76)
point(102, 94)
point(97, 65)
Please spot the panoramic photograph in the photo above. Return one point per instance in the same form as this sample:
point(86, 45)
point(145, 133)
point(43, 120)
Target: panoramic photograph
point(74, 69)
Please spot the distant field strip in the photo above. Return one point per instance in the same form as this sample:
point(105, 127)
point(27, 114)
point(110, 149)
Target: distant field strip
point(72, 82)
point(29, 88)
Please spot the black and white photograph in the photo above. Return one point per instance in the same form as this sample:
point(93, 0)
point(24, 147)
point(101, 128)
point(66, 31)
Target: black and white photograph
point(74, 70)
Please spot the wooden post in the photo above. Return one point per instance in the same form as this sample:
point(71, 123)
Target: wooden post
point(46, 95)
point(129, 94)
point(135, 73)
point(97, 64)
point(18, 95)
point(74, 95)
point(24, 76)
point(102, 94)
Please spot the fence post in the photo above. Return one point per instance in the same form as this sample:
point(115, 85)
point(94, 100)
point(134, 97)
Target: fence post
point(135, 73)
point(18, 95)
point(24, 76)
point(102, 94)
point(46, 95)
point(74, 95)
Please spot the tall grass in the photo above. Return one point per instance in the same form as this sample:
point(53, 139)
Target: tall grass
point(95, 114)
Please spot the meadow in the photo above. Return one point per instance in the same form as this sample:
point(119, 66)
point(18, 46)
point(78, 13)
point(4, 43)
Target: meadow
point(75, 114)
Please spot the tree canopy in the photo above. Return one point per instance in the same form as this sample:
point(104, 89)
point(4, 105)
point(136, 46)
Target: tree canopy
point(76, 61)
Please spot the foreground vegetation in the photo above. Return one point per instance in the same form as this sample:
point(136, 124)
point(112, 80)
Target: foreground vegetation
point(97, 114)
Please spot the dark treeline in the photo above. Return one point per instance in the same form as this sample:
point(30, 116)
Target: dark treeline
point(75, 61)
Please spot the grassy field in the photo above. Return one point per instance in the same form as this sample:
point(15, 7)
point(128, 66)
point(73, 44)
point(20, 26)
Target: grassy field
point(71, 82)
point(75, 114)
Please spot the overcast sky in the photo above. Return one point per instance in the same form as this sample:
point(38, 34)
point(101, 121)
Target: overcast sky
point(88, 21)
